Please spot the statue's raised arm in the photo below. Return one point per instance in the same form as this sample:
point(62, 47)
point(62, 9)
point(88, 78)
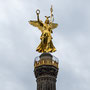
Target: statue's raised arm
point(37, 23)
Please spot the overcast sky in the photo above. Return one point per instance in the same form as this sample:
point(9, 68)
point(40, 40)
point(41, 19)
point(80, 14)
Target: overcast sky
point(18, 42)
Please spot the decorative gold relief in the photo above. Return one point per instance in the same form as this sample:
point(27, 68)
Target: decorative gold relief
point(45, 62)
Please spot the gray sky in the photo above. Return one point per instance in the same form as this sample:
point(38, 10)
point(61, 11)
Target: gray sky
point(18, 42)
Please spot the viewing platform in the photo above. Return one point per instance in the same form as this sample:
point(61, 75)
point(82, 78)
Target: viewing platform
point(46, 59)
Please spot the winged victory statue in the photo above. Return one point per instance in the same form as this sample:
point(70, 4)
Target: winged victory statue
point(46, 28)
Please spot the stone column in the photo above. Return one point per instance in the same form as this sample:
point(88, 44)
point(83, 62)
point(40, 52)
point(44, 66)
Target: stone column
point(46, 70)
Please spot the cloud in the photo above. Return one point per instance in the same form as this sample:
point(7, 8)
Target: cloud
point(18, 41)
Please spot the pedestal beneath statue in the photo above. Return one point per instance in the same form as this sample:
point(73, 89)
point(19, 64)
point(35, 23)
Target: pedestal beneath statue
point(46, 70)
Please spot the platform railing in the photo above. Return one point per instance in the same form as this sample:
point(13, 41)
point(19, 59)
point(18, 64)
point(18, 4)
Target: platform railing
point(38, 62)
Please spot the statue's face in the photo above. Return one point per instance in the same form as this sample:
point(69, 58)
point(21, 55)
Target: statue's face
point(47, 21)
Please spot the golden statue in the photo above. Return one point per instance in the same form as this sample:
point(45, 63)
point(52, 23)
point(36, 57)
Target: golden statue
point(46, 44)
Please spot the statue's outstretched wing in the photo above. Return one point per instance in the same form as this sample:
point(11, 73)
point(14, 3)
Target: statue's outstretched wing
point(38, 24)
point(53, 25)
